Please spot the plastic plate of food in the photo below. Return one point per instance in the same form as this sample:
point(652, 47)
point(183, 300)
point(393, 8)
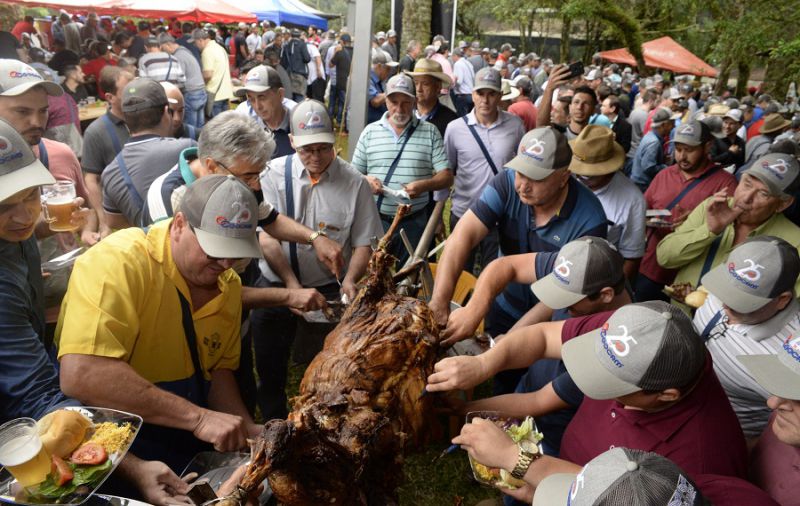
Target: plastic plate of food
point(77, 450)
point(519, 429)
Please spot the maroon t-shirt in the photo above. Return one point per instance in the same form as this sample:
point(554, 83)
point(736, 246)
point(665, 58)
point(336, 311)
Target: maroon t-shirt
point(666, 186)
point(730, 491)
point(700, 433)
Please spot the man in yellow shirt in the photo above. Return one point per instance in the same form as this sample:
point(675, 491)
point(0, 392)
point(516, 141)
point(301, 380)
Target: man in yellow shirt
point(150, 323)
point(216, 70)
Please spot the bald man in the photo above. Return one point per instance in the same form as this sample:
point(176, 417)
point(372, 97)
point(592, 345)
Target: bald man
point(176, 107)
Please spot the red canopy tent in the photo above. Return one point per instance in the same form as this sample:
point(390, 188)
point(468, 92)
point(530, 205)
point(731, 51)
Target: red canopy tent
point(664, 53)
point(211, 11)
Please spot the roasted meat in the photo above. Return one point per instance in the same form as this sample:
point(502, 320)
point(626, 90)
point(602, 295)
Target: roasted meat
point(360, 405)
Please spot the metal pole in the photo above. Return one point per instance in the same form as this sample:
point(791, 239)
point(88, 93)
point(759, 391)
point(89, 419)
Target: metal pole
point(359, 71)
point(392, 14)
point(453, 33)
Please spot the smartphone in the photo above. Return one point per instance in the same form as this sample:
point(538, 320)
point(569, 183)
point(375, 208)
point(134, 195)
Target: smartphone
point(575, 69)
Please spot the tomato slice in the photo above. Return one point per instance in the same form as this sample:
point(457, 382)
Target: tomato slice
point(89, 454)
point(61, 470)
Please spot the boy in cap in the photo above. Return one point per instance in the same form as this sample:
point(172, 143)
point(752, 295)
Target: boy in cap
point(323, 192)
point(649, 384)
point(597, 161)
point(584, 277)
point(535, 206)
point(267, 104)
point(157, 312)
point(775, 459)
point(720, 222)
point(400, 152)
point(750, 310)
point(678, 189)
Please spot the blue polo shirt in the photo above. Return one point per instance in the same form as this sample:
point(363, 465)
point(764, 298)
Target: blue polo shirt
point(375, 89)
point(499, 206)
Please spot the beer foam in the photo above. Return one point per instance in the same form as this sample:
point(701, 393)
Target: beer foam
point(60, 201)
point(20, 450)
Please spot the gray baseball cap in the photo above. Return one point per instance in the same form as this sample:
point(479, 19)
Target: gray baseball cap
point(778, 171)
point(311, 124)
point(488, 78)
point(583, 267)
point(621, 476)
point(379, 57)
point(691, 133)
point(734, 114)
point(645, 346)
point(198, 34)
point(143, 93)
point(16, 78)
point(224, 214)
point(662, 115)
point(401, 83)
point(778, 374)
point(541, 151)
point(19, 167)
point(755, 272)
point(259, 79)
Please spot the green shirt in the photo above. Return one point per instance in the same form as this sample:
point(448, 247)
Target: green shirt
point(687, 247)
point(422, 157)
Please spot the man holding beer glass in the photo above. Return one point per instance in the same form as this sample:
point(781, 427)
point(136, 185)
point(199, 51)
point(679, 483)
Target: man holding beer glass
point(23, 104)
point(29, 386)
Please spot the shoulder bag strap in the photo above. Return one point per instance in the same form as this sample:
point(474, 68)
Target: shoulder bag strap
point(287, 178)
point(43, 157)
point(710, 326)
point(689, 188)
point(112, 133)
point(169, 68)
point(712, 252)
point(191, 342)
point(481, 145)
point(123, 170)
point(396, 161)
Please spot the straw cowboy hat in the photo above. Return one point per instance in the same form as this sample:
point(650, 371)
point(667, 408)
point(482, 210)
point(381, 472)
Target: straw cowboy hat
point(427, 67)
point(595, 152)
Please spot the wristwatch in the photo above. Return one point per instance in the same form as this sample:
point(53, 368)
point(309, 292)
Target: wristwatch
point(528, 452)
point(316, 234)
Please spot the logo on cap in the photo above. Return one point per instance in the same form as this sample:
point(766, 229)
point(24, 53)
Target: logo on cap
point(687, 130)
point(616, 345)
point(401, 84)
point(7, 152)
point(779, 167)
point(574, 489)
point(313, 120)
point(792, 346)
point(562, 270)
point(253, 76)
point(535, 149)
point(684, 494)
point(747, 275)
point(19, 75)
point(489, 77)
point(239, 220)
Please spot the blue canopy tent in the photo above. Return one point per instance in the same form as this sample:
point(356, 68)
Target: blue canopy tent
point(282, 12)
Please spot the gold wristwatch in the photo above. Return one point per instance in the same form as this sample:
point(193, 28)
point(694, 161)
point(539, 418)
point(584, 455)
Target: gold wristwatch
point(528, 452)
point(316, 234)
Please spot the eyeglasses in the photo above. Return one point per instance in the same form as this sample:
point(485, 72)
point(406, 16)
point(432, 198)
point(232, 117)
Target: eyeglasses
point(247, 177)
point(318, 151)
point(720, 329)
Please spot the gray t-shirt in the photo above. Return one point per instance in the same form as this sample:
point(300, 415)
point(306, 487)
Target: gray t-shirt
point(194, 74)
point(101, 141)
point(146, 157)
point(637, 119)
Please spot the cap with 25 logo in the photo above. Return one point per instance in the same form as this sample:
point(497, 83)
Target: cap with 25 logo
point(778, 171)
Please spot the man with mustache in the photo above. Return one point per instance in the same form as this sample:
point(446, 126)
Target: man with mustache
point(401, 152)
point(720, 223)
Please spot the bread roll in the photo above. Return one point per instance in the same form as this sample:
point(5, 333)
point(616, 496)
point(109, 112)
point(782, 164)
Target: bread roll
point(62, 431)
point(696, 298)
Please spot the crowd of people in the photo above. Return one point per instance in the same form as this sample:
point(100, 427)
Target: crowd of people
point(589, 205)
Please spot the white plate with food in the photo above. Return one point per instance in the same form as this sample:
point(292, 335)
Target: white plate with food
point(80, 448)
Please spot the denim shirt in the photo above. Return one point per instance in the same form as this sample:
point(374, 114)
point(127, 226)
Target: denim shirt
point(28, 376)
point(649, 160)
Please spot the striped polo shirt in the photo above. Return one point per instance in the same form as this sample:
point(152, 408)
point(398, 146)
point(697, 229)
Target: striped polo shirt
point(725, 341)
point(422, 157)
point(162, 66)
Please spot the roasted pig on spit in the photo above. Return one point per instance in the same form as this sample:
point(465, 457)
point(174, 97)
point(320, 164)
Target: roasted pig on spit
point(360, 404)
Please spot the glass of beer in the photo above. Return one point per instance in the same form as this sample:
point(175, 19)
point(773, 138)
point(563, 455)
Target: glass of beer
point(22, 453)
point(59, 204)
